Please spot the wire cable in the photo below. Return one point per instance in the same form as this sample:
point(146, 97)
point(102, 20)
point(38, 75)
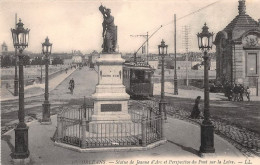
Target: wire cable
point(194, 12)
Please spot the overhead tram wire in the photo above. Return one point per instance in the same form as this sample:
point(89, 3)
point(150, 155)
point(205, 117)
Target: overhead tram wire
point(194, 12)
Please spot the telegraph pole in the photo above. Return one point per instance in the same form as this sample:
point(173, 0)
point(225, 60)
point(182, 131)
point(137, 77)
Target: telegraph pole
point(147, 48)
point(175, 66)
point(186, 44)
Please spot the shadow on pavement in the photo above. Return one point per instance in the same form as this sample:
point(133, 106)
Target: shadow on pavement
point(188, 149)
point(7, 138)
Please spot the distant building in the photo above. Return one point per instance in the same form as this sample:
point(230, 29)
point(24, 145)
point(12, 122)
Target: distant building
point(213, 65)
point(4, 49)
point(67, 61)
point(77, 57)
point(153, 63)
point(238, 50)
point(92, 58)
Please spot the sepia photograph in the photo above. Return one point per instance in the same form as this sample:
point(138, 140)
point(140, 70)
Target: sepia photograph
point(130, 82)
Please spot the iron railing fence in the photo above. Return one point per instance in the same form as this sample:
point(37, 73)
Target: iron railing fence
point(70, 131)
point(85, 111)
point(113, 134)
point(76, 128)
point(153, 129)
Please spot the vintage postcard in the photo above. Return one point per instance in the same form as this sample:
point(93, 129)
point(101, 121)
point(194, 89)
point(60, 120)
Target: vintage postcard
point(141, 82)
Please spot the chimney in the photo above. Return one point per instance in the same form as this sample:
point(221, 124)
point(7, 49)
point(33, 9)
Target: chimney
point(242, 7)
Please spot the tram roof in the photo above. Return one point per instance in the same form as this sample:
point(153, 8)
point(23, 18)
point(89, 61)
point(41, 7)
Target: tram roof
point(138, 66)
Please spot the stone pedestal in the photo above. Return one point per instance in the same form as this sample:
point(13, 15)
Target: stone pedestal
point(21, 142)
point(110, 98)
point(207, 139)
point(46, 117)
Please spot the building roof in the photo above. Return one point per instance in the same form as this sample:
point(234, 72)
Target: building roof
point(242, 20)
point(4, 44)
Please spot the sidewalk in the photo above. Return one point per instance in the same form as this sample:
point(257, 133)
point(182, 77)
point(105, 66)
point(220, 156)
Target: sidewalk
point(180, 144)
point(182, 93)
point(36, 89)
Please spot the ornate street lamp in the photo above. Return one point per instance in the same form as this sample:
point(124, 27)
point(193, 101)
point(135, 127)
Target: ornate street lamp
point(46, 50)
point(15, 66)
point(162, 52)
point(20, 42)
point(205, 39)
point(15, 75)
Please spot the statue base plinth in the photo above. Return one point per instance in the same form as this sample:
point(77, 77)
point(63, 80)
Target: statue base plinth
point(110, 98)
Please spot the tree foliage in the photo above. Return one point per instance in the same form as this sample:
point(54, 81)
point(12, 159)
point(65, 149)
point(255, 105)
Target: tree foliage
point(37, 61)
point(26, 60)
point(57, 61)
point(6, 61)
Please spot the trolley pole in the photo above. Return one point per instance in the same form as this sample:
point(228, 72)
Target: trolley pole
point(147, 45)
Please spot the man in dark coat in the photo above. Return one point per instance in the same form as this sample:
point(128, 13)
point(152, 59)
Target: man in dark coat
point(241, 92)
point(236, 91)
point(195, 113)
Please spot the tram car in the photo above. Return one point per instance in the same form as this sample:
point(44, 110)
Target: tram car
point(137, 78)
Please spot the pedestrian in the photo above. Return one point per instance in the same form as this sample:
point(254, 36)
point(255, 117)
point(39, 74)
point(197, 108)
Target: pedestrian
point(248, 93)
point(236, 91)
point(229, 92)
point(71, 85)
point(241, 92)
point(195, 111)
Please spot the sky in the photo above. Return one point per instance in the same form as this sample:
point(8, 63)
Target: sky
point(77, 24)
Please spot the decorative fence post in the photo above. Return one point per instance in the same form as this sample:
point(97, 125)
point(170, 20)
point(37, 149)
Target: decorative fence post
point(83, 132)
point(59, 127)
point(150, 117)
point(162, 126)
point(143, 131)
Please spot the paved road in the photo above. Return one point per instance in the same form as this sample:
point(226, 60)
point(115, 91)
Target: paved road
point(85, 81)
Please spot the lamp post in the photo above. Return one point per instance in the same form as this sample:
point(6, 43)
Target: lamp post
point(15, 66)
point(162, 52)
point(15, 75)
point(46, 50)
point(205, 39)
point(20, 42)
